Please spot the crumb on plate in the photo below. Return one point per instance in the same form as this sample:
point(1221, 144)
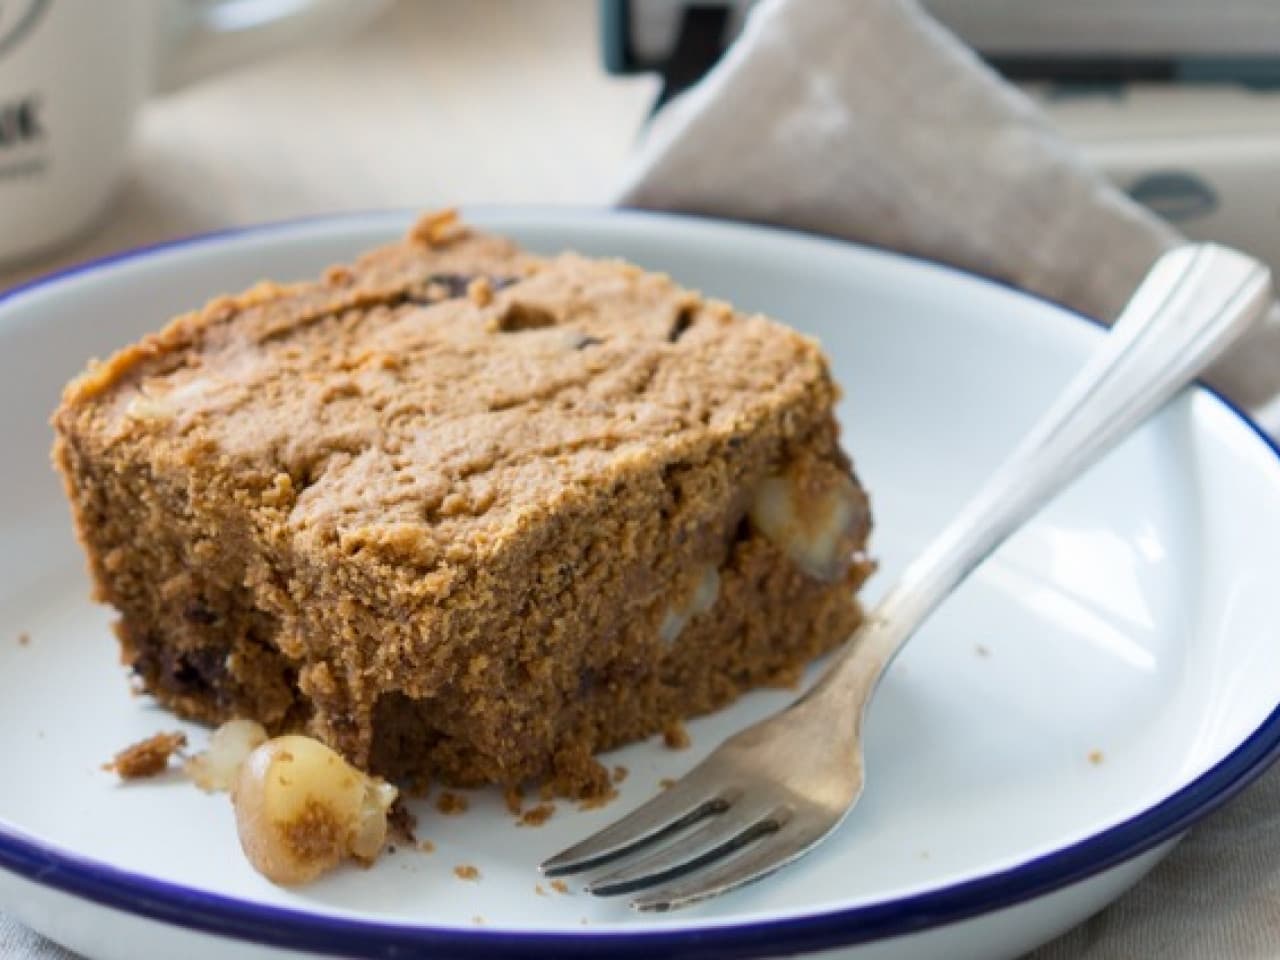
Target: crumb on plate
point(513, 796)
point(788, 678)
point(559, 886)
point(620, 773)
point(451, 803)
point(676, 737)
point(1096, 757)
point(596, 802)
point(401, 823)
point(465, 871)
point(146, 758)
point(537, 816)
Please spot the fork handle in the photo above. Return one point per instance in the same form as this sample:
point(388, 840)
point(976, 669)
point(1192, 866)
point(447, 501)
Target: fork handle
point(1196, 300)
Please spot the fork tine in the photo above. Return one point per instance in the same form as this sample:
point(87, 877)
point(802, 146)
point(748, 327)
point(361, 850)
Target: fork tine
point(716, 839)
point(684, 804)
point(752, 862)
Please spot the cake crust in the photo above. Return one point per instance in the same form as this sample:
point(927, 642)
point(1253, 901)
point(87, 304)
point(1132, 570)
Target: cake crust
point(455, 508)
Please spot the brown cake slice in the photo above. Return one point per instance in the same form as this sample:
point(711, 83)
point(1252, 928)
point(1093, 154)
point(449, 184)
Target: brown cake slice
point(463, 512)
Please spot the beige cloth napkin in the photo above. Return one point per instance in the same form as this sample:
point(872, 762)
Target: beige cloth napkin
point(868, 120)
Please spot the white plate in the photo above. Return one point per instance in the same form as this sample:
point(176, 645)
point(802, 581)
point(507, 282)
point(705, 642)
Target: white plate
point(1107, 678)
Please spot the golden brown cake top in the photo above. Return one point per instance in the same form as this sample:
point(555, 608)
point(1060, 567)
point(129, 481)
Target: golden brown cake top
point(442, 391)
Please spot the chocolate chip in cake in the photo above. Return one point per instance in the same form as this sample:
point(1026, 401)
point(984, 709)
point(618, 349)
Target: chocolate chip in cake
point(681, 324)
point(196, 612)
point(519, 316)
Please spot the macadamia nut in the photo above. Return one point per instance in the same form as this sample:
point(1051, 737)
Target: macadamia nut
point(703, 599)
point(301, 809)
point(216, 767)
point(815, 514)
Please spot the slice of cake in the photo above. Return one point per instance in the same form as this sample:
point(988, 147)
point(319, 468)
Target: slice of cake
point(466, 513)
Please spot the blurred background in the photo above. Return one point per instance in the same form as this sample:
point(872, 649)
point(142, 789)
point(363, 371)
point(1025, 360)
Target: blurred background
point(420, 103)
point(430, 102)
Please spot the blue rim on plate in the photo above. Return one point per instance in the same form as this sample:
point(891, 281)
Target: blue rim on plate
point(225, 916)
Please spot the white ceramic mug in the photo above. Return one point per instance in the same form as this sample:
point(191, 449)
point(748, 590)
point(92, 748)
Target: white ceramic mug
point(74, 73)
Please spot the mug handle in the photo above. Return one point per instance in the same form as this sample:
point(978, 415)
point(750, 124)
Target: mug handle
point(204, 37)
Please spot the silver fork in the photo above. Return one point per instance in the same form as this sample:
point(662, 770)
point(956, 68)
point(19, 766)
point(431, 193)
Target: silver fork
point(772, 792)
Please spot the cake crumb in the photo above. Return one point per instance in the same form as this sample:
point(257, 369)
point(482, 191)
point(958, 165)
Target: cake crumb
point(676, 737)
point(596, 802)
point(451, 803)
point(579, 776)
point(426, 846)
point(339, 275)
point(981, 650)
point(465, 871)
point(666, 783)
point(559, 886)
point(480, 292)
point(24, 639)
point(478, 920)
point(437, 229)
point(583, 921)
point(924, 854)
point(620, 773)
point(513, 796)
point(1096, 757)
point(146, 758)
point(539, 890)
point(788, 678)
point(537, 816)
point(401, 823)
point(419, 785)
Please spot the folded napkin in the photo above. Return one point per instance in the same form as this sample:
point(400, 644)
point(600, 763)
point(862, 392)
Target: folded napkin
point(870, 121)
point(18, 941)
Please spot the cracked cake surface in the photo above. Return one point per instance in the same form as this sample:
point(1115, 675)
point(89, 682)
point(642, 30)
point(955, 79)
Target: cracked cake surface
point(464, 512)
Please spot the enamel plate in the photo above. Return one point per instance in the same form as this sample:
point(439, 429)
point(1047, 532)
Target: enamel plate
point(1110, 676)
